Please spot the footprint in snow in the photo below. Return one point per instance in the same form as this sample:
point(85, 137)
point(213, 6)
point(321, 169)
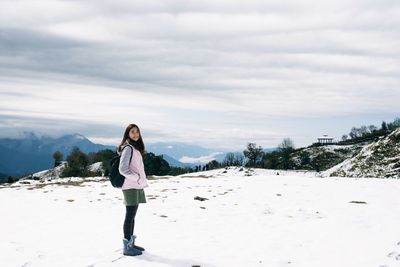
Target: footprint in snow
point(394, 255)
point(391, 254)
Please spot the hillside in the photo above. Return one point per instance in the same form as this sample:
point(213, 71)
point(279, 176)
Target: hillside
point(321, 158)
point(55, 173)
point(378, 159)
point(251, 217)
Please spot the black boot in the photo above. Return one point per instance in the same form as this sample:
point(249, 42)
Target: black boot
point(129, 250)
point(132, 244)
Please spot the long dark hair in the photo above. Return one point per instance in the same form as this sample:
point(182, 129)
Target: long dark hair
point(139, 145)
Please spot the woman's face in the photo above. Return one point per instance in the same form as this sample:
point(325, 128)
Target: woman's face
point(134, 134)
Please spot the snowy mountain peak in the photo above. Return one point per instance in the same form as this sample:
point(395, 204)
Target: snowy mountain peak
point(77, 136)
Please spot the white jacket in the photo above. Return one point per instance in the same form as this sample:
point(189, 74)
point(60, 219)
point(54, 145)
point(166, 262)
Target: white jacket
point(135, 177)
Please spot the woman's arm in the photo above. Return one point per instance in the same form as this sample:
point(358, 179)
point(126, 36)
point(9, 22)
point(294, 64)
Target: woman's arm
point(124, 164)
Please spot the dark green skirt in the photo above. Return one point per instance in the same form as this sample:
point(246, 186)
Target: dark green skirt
point(133, 197)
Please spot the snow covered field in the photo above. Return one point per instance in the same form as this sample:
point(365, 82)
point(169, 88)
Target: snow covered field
point(256, 218)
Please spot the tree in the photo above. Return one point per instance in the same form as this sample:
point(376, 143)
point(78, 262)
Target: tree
point(177, 171)
point(363, 130)
point(254, 154)
point(229, 159)
point(354, 133)
point(57, 156)
point(286, 148)
point(239, 159)
point(233, 159)
point(213, 165)
point(271, 160)
point(77, 164)
point(396, 123)
point(393, 125)
point(344, 137)
point(155, 165)
point(287, 143)
point(372, 128)
point(384, 126)
point(305, 159)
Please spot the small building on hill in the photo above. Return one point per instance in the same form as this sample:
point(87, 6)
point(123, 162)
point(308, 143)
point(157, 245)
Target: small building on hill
point(325, 140)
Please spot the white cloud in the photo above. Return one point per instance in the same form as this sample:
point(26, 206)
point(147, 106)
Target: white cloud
point(197, 71)
point(202, 159)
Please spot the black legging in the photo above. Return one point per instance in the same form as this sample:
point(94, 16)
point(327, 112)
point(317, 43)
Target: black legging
point(129, 223)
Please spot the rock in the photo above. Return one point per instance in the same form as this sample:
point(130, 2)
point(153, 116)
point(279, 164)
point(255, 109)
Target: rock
point(200, 198)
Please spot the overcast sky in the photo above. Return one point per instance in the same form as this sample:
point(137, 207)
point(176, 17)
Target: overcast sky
point(214, 73)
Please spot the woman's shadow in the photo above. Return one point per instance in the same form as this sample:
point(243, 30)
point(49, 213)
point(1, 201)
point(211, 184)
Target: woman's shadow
point(174, 262)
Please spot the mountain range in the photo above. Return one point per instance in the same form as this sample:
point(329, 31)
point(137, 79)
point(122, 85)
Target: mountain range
point(32, 153)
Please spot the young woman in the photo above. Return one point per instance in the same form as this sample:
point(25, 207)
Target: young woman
point(131, 166)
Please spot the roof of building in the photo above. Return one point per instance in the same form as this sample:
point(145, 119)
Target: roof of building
point(325, 137)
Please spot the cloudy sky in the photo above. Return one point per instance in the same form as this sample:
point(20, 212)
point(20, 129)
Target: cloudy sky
point(213, 73)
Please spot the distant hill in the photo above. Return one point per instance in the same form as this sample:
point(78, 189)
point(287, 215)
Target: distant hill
point(16, 162)
point(32, 153)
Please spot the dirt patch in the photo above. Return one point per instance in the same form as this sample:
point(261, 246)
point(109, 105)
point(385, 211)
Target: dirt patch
point(43, 185)
point(151, 177)
point(199, 176)
point(358, 202)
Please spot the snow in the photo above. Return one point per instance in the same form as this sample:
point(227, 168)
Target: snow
point(54, 173)
point(374, 160)
point(79, 136)
point(50, 174)
point(98, 166)
point(332, 148)
point(251, 218)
